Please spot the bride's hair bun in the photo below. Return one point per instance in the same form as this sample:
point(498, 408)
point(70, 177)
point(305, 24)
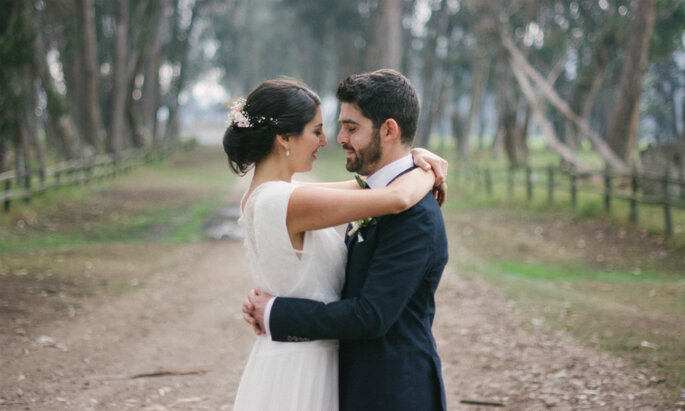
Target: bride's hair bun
point(282, 106)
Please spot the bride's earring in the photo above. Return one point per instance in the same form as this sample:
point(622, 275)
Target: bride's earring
point(287, 153)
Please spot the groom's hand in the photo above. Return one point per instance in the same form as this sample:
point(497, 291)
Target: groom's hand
point(248, 315)
point(254, 309)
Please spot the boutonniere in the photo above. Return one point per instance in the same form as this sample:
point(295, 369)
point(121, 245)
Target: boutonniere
point(356, 225)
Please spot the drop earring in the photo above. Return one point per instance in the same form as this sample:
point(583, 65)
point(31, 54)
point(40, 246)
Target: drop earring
point(287, 153)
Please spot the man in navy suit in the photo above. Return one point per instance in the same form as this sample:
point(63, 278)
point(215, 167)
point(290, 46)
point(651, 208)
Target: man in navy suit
point(388, 357)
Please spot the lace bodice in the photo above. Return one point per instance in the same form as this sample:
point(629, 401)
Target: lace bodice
point(316, 272)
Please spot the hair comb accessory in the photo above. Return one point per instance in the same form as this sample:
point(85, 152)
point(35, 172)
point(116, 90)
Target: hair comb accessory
point(238, 116)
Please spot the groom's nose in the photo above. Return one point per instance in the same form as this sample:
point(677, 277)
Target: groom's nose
point(343, 138)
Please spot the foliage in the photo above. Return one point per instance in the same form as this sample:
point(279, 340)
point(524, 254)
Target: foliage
point(16, 48)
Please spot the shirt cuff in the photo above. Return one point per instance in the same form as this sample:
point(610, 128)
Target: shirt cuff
point(267, 316)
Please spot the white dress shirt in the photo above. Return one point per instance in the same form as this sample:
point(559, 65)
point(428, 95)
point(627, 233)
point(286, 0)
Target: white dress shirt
point(379, 179)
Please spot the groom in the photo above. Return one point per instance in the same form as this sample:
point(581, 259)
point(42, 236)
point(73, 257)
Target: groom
point(388, 357)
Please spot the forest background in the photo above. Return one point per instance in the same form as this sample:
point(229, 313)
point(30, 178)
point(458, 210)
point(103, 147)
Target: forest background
point(83, 77)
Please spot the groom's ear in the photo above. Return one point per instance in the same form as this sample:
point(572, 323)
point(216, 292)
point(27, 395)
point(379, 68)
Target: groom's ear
point(390, 130)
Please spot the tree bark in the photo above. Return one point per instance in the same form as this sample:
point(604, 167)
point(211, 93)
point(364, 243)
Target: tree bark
point(115, 135)
point(90, 104)
point(623, 132)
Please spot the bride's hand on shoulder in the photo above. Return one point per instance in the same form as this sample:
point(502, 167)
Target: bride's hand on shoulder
point(427, 160)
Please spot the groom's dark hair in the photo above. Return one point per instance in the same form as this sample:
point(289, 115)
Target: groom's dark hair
point(383, 94)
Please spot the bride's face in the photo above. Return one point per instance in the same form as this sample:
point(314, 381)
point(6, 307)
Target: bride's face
point(304, 148)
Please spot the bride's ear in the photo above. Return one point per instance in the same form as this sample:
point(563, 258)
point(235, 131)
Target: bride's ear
point(282, 141)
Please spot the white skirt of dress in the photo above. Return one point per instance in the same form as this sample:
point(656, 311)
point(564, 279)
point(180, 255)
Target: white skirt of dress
point(289, 376)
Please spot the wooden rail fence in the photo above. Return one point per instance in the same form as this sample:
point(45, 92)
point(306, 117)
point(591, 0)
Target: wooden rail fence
point(29, 183)
point(636, 188)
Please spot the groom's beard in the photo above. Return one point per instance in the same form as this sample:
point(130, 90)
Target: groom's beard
point(365, 158)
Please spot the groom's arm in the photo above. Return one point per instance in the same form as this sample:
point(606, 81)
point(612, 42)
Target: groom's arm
point(402, 258)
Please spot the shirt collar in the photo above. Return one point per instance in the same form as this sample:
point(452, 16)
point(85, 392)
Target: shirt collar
point(384, 176)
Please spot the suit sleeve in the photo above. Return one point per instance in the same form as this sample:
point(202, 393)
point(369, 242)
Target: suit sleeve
point(401, 259)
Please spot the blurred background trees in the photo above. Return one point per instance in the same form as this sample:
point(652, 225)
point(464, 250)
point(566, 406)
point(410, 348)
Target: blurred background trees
point(80, 77)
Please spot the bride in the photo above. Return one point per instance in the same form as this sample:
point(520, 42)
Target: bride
point(292, 249)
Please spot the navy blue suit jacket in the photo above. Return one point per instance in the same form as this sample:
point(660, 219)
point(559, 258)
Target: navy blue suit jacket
point(388, 357)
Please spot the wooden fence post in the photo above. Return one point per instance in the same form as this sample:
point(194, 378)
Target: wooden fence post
point(574, 189)
point(633, 198)
point(529, 184)
point(607, 190)
point(8, 186)
point(668, 229)
point(488, 182)
point(27, 185)
point(550, 185)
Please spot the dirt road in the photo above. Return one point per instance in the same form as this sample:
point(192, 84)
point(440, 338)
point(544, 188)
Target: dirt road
point(180, 321)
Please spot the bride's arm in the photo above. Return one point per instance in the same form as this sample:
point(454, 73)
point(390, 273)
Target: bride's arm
point(313, 208)
point(339, 185)
point(422, 158)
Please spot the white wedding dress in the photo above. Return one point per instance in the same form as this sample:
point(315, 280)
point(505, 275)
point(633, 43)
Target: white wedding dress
point(297, 376)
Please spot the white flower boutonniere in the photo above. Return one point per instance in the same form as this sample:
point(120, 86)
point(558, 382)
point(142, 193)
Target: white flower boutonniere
point(356, 225)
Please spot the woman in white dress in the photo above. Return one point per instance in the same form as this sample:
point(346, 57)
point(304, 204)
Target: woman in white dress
point(292, 249)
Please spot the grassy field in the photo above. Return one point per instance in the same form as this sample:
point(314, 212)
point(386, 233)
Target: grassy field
point(617, 288)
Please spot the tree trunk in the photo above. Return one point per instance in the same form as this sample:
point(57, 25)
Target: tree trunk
point(538, 114)
point(682, 118)
point(28, 120)
point(3, 155)
point(90, 105)
point(181, 46)
point(518, 61)
point(505, 104)
point(481, 67)
point(115, 135)
point(430, 83)
point(59, 123)
point(522, 136)
point(389, 34)
point(151, 89)
point(623, 132)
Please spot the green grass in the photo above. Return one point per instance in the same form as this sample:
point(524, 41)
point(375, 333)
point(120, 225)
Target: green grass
point(576, 273)
point(161, 202)
point(468, 190)
point(637, 317)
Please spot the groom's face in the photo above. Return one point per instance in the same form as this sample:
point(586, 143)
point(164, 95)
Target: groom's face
point(360, 140)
